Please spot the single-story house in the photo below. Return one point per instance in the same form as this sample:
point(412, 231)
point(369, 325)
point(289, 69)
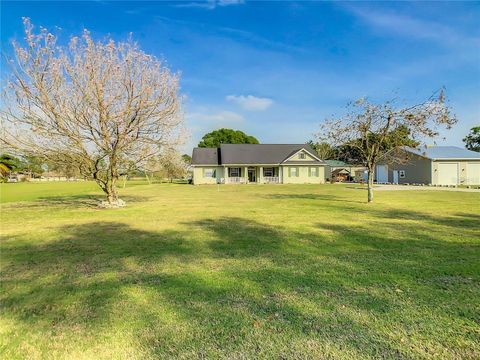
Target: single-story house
point(436, 165)
point(257, 163)
point(341, 171)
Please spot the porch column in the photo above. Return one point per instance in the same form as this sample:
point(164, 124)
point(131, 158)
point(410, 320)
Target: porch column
point(280, 175)
point(225, 174)
point(246, 174)
point(260, 176)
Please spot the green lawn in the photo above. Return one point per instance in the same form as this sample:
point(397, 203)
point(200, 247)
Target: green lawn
point(239, 272)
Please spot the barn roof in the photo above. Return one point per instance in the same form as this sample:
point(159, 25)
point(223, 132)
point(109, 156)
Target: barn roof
point(444, 153)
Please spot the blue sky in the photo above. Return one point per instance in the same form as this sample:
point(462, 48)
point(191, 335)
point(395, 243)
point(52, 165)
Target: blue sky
point(276, 69)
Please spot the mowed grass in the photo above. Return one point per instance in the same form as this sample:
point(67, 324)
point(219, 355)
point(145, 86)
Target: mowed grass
point(239, 272)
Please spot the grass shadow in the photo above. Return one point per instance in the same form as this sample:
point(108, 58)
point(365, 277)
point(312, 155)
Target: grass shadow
point(235, 287)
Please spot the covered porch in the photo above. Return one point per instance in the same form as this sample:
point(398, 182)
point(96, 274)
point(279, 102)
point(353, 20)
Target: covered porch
point(252, 175)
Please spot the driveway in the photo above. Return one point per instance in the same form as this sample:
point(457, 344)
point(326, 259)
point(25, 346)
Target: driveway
point(410, 187)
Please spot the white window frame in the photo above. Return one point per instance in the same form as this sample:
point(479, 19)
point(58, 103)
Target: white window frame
point(314, 172)
point(293, 172)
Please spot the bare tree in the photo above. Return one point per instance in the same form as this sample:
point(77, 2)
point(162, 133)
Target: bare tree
point(373, 130)
point(169, 165)
point(102, 106)
point(173, 165)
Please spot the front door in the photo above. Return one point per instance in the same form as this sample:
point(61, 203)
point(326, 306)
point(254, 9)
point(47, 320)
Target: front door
point(395, 176)
point(252, 176)
point(382, 173)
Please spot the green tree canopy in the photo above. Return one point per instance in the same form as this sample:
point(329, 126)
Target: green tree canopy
point(472, 140)
point(10, 162)
point(400, 136)
point(187, 158)
point(226, 136)
point(324, 150)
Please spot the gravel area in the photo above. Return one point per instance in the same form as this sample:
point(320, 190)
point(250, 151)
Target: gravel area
point(411, 187)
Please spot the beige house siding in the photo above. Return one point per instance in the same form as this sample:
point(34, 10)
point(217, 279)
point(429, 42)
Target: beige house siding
point(303, 174)
point(435, 177)
point(474, 178)
point(199, 177)
point(463, 176)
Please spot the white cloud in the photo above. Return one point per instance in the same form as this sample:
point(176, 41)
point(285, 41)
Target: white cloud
point(209, 4)
point(222, 117)
point(230, 2)
point(412, 27)
point(250, 102)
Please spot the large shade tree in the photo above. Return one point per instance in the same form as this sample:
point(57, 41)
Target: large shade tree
point(226, 136)
point(472, 140)
point(102, 106)
point(374, 131)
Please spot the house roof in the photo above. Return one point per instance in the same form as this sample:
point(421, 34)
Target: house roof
point(444, 153)
point(205, 156)
point(229, 154)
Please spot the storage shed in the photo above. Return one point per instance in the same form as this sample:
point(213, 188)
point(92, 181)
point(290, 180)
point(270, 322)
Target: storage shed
point(436, 165)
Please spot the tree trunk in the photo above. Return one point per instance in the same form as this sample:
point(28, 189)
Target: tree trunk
point(370, 185)
point(112, 195)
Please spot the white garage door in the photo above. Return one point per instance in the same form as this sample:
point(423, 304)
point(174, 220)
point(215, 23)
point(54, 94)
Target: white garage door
point(473, 173)
point(448, 173)
point(382, 173)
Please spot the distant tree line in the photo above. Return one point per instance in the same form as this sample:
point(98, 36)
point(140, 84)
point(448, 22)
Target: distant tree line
point(33, 167)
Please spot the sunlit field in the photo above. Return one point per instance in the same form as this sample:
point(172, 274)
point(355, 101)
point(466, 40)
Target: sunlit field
point(252, 271)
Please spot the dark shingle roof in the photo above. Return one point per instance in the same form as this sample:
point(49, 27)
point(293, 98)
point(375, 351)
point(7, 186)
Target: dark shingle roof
point(444, 153)
point(205, 156)
point(249, 154)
